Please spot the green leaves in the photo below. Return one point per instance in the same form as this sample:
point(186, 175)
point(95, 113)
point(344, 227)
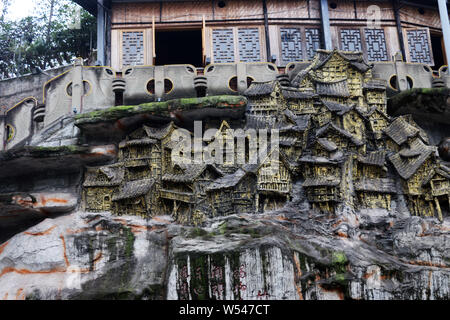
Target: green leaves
point(44, 42)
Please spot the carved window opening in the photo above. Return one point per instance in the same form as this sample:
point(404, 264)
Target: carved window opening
point(351, 40)
point(291, 45)
point(376, 45)
point(249, 45)
point(133, 48)
point(419, 46)
point(223, 45)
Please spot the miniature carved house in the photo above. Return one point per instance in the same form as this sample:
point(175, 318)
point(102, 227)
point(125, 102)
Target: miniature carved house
point(233, 194)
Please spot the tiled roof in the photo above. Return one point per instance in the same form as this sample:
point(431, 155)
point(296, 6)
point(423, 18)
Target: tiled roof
point(408, 166)
point(114, 175)
point(134, 189)
point(321, 182)
point(384, 185)
point(333, 89)
point(260, 88)
point(376, 158)
point(228, 181)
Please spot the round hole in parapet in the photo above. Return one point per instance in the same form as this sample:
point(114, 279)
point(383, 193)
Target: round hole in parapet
point(421, 11)
point(410, 81)
point(210, 69)
point(271, 67)
point(151, 86)
point(168, 86)
point(333, 5)
point(69, 89)
point(86, 88)
point(190, 70)
point(233, 84)
point(427, 68)
point(221, 4)
point(291, 67)
point(393, 82)
point(10, 132)
point(128, 71)
point(249, 81)
point(109, 71)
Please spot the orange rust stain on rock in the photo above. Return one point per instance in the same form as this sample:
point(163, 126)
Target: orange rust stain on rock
point(299, 292)
point(26, 271)
point(336, 290)
point(342, 235)
point(20, 295)
point(428, 264)
point(336, 224)
point(65, 251)
point(3, 246)
point(297, 265)
point(161, 220)
point(97, 259)
point(369, 275)
point(44, 201)
point(43, 233)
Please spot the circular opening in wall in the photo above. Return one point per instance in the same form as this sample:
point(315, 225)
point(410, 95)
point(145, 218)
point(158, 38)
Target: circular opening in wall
point(151, 86)
point(333, 5)
point(426, 68)
point(410, 82)
point(249, 81)
point(233, 84)
point(221, 4)
point(10, 132)
point(110, 72)
point(168, 86)
point(421, 11)
point(86, 88)
point(393, 83)
point(128, 71)
point(291, 67)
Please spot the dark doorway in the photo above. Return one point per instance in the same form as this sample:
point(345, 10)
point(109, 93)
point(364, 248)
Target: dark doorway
point(438, 51)
point(179, 47)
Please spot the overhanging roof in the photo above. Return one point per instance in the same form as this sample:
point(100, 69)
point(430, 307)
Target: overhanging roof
point(91, 5)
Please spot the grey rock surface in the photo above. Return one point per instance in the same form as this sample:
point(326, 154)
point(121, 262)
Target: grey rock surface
point(289, 254)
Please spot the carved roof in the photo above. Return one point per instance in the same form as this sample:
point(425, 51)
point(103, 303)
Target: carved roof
point(412, 158)
point(228, 181)
point(114, 175)
point(400, 131)
point(375, 109)
point(384, 185)
point(376, 158)
point(338, 108)
point(321, 160)
point(299, 123)
point(356, 60)
point(191, 172)
point(337, 88)
point(159, 133)
point(321, 182)
point(293, 93)
point(328, 145)
point(442, 170)
point(375, 84)
point(134, 189)
point(260, 88)
point(331, 126)
point(137, 142)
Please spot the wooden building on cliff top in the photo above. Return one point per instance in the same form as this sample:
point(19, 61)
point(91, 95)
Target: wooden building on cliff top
point(154, 32)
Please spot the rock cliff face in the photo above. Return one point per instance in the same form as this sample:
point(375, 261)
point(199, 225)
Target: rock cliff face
point(286, 255)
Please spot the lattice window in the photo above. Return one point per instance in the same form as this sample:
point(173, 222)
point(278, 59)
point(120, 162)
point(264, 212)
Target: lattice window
point(291, 44)
point(376, 45)
point(133, 48)
point(249, 45)
point(312, 41)
point(223, 45)
point(419, 46)
point(351, 40)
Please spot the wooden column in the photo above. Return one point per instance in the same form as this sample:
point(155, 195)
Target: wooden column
point(101, 33)
point(266, 30)
point(443, 11)
point(326, 30)
point(397, 7)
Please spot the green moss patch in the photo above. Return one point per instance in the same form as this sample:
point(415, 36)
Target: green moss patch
point(162, 108)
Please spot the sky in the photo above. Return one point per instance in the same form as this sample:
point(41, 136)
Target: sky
point(20, 9)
